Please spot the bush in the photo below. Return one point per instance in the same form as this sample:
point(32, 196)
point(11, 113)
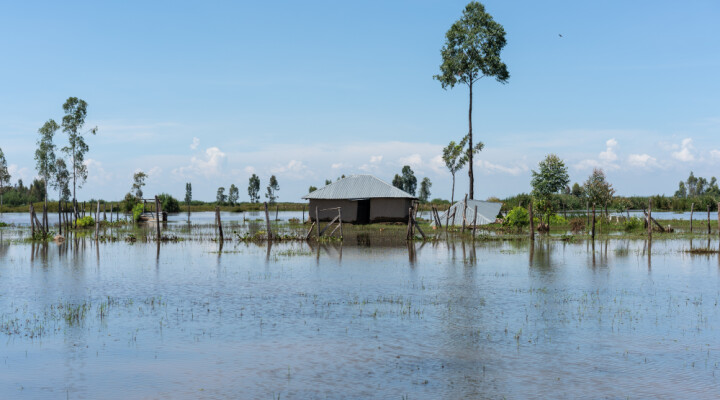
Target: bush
point(85, 222)
point(169, 203)
point(137, 212)
point(577, 224)
point(557, 219)
point(129, 202)
point(517, 217)
point(633, 223)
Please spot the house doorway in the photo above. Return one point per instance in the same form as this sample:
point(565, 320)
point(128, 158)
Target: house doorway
point(363, 211)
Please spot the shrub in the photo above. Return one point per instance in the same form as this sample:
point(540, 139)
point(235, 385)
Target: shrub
point(633, 223)
point(129, 202)
point(137, 212)
point(557, 219)
point(169, 203)
point(517, 217)
point(85, 222)
point(577, 224)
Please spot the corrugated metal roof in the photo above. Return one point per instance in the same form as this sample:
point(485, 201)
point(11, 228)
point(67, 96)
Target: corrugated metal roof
point(487, 212)
point(358, 187)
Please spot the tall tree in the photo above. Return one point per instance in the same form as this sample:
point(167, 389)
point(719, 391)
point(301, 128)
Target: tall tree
point(254, 188)
point(188, 197)
point(398, 181)
point(682, 191)
point(45, 158)
point(272, 189)
point(61, 181)
point(4, 176)
point(597, 189)
point(312, 189)
point(472, 51)
point(72, 124)
point(138, 183)
point(188, 193)
point(454, 159)
point(221, 197)
point(233, 194)
point(425, 189)
point(551, 177)
point(409, 180)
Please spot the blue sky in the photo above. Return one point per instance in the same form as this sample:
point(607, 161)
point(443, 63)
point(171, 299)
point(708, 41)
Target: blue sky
point(211, 92)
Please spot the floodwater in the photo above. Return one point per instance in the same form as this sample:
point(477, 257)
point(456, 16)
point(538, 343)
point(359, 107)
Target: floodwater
point(620, 318)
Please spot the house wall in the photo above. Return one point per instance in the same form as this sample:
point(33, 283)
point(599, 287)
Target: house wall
point(389, 209)
point(349, 209)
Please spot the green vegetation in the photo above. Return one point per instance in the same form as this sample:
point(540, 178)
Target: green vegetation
point(272, 190)
point(254, 189)
point(85, 222)
point(137, 212)
point(169, 203)
point(518, 217)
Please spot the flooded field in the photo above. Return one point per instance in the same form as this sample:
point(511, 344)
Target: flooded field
point(363, 319)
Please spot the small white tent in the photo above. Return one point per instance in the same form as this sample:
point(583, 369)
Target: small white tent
point(486, 213)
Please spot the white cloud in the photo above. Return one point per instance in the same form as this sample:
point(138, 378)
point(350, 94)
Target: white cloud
point(339, 165)
point(294, 169)
point(154, 172)
point(414, 161)
point(96, 171)
point(606, 159)
point(437, 164)
point(609, 154)
point(17, 172)
point(685, 153)
point(208, 165)
point(488, 168)
point(375, 159)
point(715, 153)
point(642, 161)
point(249, 169)
point(195, 143)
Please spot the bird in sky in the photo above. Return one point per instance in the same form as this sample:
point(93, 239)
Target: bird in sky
point(560, 34)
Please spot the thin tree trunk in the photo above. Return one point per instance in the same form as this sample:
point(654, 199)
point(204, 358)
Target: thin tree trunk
point(452, 194)
point(470, 147)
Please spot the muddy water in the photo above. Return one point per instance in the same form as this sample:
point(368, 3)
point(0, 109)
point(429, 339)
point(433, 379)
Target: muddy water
point(443, 320)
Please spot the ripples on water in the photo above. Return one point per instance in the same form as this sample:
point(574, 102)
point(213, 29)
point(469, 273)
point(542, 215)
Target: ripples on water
point(440, 320)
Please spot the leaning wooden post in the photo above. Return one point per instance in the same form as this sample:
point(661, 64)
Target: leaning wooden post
point(649, 218)
point(592, 231)
point(692, 208)
point(532, 221)
point(97, 222)
point(59, 217)
point(157, 217)
point(317, 220)
point(277, 210)
point(267, 220)
point(718, 204)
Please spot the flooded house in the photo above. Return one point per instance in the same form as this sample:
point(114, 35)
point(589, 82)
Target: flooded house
point(362, 198)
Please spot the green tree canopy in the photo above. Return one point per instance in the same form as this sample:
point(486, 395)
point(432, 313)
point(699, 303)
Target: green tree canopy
point(272, 190)
point(45, 153)
point(221, 197)
point(409, 181)
point(254, 188)
point(597, 189)
point(233, 194)
point(425, 190)
point(550, 178)
point(72, 124)
point(138, 183)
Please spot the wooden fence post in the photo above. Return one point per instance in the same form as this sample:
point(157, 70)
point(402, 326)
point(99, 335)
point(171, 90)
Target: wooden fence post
point(532, 221)
point(341, 228)
point(692, 208)
point(592, 232)
point(708, 219)
point(718, 204)
point(277, 210)
point(317, 220)
point(219, 223)
point(32, 221)
point(649, 218)
point(408, 234)
point(267, 220)
point(464, 211)
point(97, 222)
point(474, 223)
point(157, 217)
